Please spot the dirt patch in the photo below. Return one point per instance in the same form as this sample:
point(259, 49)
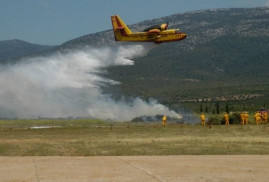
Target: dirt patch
point(136, 168)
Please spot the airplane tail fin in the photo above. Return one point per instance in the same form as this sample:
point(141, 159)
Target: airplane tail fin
point(120, 29)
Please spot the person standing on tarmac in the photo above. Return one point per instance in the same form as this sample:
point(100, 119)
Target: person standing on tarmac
point(164, 120)
point(265, 117)
point(246, 118)
point(226, 118)
point(242, 117)
point(257, 117)
point(202, 119)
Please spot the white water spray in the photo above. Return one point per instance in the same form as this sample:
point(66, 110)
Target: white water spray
point(68, 85)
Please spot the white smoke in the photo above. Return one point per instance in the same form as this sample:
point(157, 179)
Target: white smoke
point(64, 85)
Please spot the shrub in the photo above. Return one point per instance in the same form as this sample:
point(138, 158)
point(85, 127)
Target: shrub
point(214, 120)
point(235, 118)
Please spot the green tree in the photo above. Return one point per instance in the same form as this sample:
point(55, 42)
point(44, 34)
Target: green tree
point(206, 109)
point(227, 108)
point(217, 108)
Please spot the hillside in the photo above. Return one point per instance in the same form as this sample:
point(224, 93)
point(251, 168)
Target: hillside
point(201, 26)
point(13, 49)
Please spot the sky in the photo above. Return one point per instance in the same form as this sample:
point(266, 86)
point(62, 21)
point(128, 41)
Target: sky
point(53, 22)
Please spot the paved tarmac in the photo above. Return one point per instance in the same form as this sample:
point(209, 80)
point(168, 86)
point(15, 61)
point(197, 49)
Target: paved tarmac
point(136, 168)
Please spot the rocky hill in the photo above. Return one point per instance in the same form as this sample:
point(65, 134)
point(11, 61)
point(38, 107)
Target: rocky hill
point(201, 26)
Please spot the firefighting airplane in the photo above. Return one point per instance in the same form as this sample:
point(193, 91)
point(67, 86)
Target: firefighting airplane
point(157, 33)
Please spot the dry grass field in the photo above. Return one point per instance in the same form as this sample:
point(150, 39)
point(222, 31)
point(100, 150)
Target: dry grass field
point(98, 138)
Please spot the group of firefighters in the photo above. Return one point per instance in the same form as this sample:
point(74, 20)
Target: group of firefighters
point(226, 119)
point(260, 117)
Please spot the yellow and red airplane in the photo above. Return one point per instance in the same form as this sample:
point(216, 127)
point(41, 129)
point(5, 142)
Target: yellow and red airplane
point(157, 33)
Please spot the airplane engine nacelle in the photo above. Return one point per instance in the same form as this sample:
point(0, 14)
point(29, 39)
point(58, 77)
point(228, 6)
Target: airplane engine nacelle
point(154, 31)
point(164, 26)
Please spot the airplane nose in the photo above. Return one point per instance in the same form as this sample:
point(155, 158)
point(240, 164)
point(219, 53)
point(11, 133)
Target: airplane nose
point(184, 35)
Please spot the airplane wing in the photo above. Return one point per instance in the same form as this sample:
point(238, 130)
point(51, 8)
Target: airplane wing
point(161, 27)
point(152, 28)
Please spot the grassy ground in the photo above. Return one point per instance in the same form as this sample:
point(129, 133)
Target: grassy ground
point(92, 138)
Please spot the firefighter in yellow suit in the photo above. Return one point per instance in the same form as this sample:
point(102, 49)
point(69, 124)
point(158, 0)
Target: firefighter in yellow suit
point(246, 118)
point(202, 119)
point(257, 117)
point(226, 118)
point(242, 117)
point(164, 120)
point(264, 117)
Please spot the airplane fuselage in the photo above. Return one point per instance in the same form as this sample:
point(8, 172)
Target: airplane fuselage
point(157, 34)
point(163, 36)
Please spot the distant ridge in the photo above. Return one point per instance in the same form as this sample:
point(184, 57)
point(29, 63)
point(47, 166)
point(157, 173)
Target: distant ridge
point(201, 25)
point(12, 49)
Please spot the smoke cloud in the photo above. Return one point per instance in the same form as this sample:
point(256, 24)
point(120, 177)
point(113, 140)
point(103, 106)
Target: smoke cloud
point(68, 85)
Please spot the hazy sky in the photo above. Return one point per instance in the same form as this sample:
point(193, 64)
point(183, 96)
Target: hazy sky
point(53, 22)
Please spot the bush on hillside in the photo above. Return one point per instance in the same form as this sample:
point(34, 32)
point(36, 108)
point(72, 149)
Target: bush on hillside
point(214, 120)
point(235, 118)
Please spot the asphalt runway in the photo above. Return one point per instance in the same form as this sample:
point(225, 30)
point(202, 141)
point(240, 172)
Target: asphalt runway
point(135, 168)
